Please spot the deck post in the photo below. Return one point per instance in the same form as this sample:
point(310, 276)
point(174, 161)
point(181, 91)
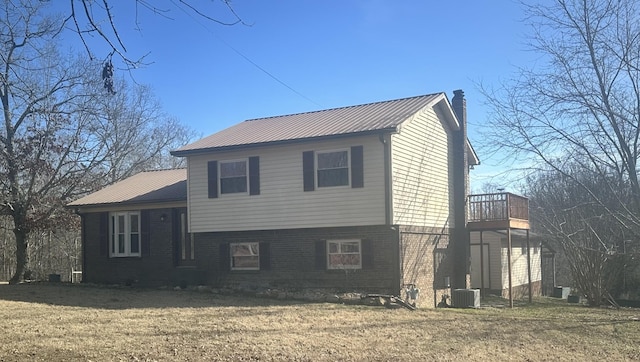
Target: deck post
point(509, 266)
point(481, 265)
point(529, 268)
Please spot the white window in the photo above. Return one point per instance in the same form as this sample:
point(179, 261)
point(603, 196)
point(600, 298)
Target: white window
point(233, 177)
point(245, 256)
point(124, 234)
point(344, 254)
point(332, 168)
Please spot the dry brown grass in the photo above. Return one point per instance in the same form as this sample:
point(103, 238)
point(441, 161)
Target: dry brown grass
point(48, 322)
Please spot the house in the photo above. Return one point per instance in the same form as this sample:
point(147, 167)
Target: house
point(364, 198)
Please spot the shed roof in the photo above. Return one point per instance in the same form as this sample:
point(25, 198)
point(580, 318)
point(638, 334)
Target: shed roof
point(371, 117)
point(144, 187)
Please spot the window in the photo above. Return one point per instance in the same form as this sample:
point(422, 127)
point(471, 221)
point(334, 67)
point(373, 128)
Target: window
point(333, 168)
point(245, 256)
point(124, 234)
point(344, 254)
point(233, 177)
point(229, 177)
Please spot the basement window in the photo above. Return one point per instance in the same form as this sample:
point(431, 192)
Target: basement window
point(344, 254)
point(245, 256)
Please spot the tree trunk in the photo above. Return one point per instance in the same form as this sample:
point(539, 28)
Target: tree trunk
point(21, 255)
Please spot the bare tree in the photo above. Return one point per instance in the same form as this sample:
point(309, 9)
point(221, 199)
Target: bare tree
point(591, 241)
point(138, 135)
point(57, 137)
point(579, 102)
point(95, 19)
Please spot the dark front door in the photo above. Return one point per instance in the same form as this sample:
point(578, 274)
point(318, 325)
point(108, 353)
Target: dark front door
point(185, 250)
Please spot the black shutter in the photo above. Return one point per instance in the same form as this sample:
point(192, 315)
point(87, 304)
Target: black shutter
point(308, 170)
point(145, 237)
point(104, 233)
point(254, 175)
point(357, 169)
point(225, 257)
point(212, 173)
point(366, 250)
point(265, 256)
point(321, 254)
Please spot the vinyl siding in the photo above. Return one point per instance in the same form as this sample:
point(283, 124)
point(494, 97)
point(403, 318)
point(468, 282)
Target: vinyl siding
point(494, 240)
point(421, 155)
point(282, 203)
point(498, 260)
point(519, 265)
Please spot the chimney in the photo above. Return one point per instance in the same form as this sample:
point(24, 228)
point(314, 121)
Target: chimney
point(459, 105)
point(460, 235)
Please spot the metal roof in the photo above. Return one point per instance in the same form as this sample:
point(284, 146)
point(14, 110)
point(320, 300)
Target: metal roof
point(144, 187)
point(379, 116)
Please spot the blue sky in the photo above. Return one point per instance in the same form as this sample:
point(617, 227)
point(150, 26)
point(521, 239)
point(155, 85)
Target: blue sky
point(331, 53)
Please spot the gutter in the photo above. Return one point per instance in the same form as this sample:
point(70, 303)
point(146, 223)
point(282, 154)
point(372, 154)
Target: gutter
point(124, 205)
point(204, 150)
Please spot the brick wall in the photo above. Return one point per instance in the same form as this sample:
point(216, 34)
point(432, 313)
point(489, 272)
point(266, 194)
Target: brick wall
point(154, 267)
point(426, 261)
point(293, 263)
point(521, 291)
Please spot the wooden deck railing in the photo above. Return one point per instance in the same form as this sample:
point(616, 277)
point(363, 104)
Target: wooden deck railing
point(500, 206)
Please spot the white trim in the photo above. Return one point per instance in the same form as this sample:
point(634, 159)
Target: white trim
point(246, 176)
point(316, 163)
point(257, 244)
point(127, 233)
point(340, 242)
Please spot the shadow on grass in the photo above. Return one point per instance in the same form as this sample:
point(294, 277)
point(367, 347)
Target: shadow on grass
point(114, 297)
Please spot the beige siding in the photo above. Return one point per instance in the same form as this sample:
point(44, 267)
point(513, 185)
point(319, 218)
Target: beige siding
point(421, 155)
point(519, 264)
point(498, 260)
point(282, 203)
point(494, 240)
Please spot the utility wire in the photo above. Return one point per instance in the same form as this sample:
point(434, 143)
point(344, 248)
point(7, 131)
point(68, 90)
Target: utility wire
point(246, 58)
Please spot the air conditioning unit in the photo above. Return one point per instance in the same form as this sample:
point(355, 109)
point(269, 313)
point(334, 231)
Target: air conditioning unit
point(465, 298)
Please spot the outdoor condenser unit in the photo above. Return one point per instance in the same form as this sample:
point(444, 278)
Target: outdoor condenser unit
point(465, 298)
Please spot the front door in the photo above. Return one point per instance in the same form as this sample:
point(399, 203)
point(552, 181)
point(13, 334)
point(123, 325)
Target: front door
point(185, 249)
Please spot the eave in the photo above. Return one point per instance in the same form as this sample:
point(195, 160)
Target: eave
point(199, 151)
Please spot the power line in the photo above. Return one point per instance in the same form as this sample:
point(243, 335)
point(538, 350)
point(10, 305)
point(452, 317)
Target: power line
point(246, 58)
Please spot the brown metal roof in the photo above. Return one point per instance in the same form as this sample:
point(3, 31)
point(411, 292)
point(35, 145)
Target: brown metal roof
point(379, 116)
point(144, 187)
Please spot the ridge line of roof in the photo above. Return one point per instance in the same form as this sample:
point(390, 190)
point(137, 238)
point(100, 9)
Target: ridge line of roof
point(162, 169)
point(343, 107)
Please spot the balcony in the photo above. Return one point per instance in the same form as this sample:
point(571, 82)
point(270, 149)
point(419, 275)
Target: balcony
point(498, 212)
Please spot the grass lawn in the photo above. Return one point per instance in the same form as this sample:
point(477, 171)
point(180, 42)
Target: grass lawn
point(56, 322)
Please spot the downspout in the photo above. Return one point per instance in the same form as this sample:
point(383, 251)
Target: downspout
point(385, 139)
